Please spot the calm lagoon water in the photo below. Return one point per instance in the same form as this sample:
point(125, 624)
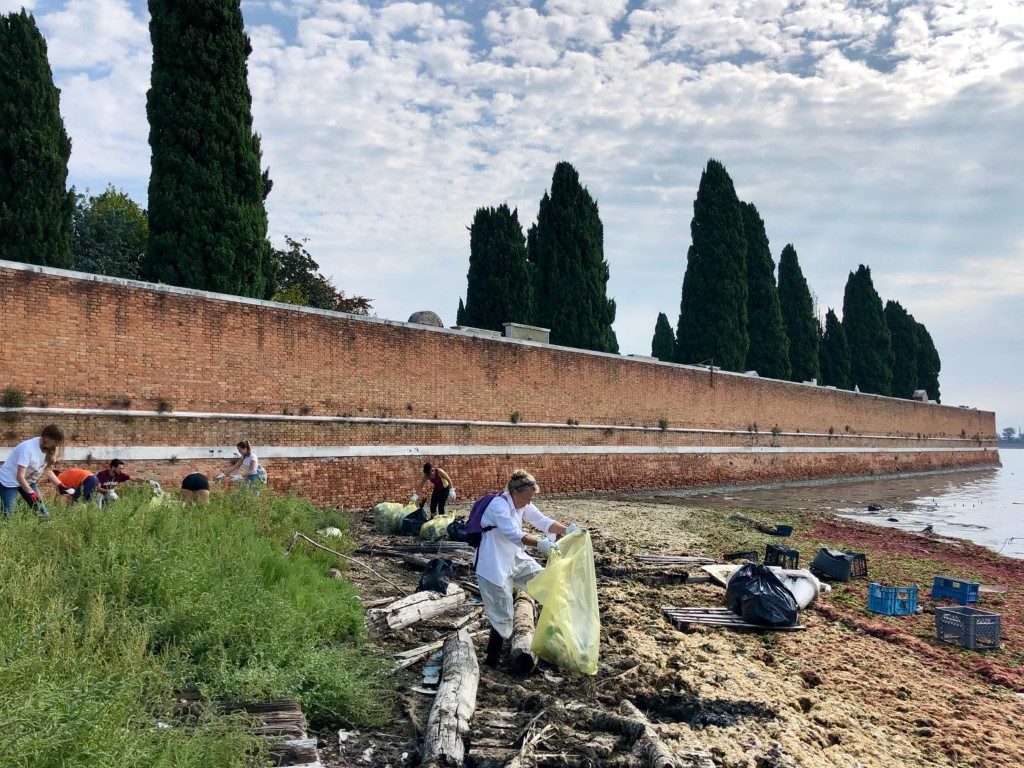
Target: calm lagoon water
point(985, 506)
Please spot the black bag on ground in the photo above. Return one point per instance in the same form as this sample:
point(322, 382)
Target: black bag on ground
point(412, 523)
point(758, 595)
point(436, 576)
point(457, 530)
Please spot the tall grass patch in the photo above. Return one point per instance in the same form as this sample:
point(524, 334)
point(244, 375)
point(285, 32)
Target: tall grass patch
point(104, 613)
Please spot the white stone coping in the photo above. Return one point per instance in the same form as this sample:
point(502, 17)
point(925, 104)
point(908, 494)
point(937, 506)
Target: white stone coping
point(175, 290)
point(192, 452)
point(126, 413)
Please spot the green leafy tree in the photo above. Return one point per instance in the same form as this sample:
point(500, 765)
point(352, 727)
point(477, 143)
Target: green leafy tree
point(663, 345)
point(798, 317)
point(871, 357)
point(713, 312)
point(299, 282)
point(460, 314)
point(207, 219)
point(571, 275)
point(835, 354)
point(35, 205)
point(499, 284)
point(928, 364)
point(905, 346)
point(110, 232)
point(769, 345)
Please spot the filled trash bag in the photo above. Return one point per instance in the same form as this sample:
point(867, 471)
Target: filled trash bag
point(436, 529)
point(412, 522)
point(436, 576)
point(388, 516)
point(457, 530)
point(568, 631)
point(759, 596)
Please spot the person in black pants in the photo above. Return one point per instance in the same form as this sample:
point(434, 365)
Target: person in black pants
point(442, 487)
point(196, 487)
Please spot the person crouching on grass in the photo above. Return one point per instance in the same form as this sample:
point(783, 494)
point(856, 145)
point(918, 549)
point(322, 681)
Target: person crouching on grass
point(28, 462)
point(248, 468)
point(81, 482)
point(502, 563)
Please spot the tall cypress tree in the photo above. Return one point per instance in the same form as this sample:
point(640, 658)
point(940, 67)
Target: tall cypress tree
point(207, 219)
point(499, 281)
point(798, 317)
point(835, 354)
point(460, 313)
point(903, 330)
point(663, 345)
point(928, 364)
point(871, 357)
point(769, 345)
point(35, 205)
point(713, 311)
point(571, 275)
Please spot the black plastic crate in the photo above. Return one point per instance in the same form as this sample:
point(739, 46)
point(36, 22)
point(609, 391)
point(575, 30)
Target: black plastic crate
point(745, 554)
point(973, 628)
point(784, 557)
point(840, 566)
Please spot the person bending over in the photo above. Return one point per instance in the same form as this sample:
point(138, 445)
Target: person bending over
point(442, 486)
point(27, 463)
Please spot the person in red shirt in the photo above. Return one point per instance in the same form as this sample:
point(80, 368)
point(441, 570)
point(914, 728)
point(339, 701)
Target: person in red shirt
point(442, 487)
point(81, 482)
point(114, 475)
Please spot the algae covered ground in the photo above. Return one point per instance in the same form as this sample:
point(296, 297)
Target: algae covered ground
point(105, 614)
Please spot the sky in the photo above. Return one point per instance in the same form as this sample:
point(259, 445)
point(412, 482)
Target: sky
point(869, 132)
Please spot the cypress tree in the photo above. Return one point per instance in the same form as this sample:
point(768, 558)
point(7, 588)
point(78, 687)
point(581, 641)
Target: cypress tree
point(499, 288)
point(460, 313)
point(769, 346)
point(835, 354)
point(571, 275)
point(208, 222)
point(798, 317)
point(713, 311)
point(903, 331)
point(928, 364)
point(871, 357)
point(663, 345)
point(35, 205)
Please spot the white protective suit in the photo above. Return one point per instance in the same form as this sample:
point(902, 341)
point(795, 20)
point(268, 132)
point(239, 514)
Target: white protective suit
point(502, 562)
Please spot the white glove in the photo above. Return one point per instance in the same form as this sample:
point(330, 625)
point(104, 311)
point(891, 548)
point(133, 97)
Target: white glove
point(572, 528)
point(236, 478)
point(219, 477)
point(414, 498)
point(545, 547)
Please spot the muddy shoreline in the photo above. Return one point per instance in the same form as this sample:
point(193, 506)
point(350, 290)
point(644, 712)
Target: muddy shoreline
point(853, 689)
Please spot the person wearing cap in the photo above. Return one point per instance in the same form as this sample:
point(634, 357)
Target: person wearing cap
point(502, 563)
point(81, 482)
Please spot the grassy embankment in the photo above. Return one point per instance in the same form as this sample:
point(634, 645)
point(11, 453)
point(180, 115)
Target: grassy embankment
point(104, 614)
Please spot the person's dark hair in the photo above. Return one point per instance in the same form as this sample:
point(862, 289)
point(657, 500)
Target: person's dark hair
point(53, 432)
point(243, 444)
point(116, 463)
point(427, 468)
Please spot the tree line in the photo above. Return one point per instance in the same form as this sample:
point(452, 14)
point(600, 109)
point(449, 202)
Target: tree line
point(734, 312)
point(206, 224)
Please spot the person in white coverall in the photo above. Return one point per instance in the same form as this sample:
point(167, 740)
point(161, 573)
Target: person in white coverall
point(502, 563)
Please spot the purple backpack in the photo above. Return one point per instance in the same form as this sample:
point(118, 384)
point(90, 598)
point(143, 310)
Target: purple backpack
point(474, 525)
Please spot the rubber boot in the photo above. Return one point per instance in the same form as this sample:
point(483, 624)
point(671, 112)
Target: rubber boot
point(494, 645)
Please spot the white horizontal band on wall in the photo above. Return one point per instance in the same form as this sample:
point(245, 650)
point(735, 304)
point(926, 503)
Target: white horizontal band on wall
point(192, 452)
point(122, 413)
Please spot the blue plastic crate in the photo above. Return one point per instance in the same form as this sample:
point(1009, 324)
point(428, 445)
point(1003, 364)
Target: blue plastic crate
point(973, 628)
point(964, 592)
point(892, 601)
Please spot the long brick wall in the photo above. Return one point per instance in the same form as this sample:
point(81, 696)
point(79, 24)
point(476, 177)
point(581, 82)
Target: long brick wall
point(338, 397)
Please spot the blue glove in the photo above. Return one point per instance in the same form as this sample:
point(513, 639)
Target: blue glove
point(572, 528)
point(546, 546)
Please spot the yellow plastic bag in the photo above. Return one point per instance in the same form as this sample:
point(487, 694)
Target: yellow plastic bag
point(437, 529)
point(569, 629)
point(388, 516)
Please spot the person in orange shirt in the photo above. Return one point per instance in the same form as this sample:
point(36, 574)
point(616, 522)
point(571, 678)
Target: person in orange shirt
point(80, 482)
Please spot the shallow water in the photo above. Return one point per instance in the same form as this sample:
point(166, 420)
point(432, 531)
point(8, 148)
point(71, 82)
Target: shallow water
point(985, 506)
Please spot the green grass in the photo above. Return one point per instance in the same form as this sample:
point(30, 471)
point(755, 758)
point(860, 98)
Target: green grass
point(103, 614)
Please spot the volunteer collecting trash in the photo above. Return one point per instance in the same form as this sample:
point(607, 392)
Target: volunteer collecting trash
point(27, 463)
point(442, 487)
point(248, 467)
point(502, 563)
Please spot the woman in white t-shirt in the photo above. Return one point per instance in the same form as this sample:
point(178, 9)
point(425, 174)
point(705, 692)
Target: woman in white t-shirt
point(502, 563)
point(247, 468)
point(26, 464)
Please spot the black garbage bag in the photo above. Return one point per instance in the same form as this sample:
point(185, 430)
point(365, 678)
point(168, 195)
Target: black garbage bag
point(457, 530)
point(436, 576)
point(758, 595)
point(411, 523)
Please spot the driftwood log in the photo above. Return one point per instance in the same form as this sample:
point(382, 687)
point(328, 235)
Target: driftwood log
point(523, 618)
point(416, 607)
point(454, 704)
point(632, 723)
